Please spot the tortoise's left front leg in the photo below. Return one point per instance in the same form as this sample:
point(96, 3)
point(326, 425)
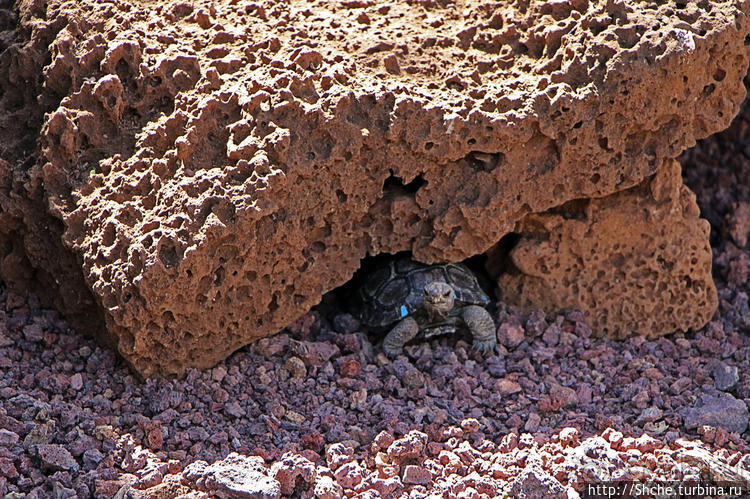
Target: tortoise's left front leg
point(402, 332)
point(482, 327)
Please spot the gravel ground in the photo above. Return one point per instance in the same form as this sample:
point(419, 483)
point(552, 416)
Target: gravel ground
point(319, 410)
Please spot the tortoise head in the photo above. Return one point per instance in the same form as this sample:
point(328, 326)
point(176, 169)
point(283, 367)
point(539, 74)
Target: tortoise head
point(439, 298)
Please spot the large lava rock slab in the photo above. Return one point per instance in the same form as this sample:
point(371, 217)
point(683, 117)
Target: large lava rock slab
point(212, 168)
point(637, 261)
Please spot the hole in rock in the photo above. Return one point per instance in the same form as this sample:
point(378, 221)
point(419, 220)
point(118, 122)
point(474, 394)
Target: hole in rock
point(575, 209)
point(483, 161)
point(274, 305)
point(122, 68)
point(394, 184)
point(497, 259)
point(218, 276)
point(168, 255)
point(346, 298)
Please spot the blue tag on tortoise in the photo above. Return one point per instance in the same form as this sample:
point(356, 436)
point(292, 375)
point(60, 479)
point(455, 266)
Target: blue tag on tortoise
point(404, 311)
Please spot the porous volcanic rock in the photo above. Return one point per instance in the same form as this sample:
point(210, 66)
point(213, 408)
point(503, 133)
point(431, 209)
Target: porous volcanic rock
point(637, 261)
point(213, 168)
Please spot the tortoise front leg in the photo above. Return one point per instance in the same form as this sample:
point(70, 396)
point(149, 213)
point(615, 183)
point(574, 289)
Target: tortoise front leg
point(482, 328)
point(394, 342)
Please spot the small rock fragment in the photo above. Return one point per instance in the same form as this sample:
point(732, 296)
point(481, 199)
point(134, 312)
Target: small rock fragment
point(295, 367)
point(350, 474)
point(532, 423)
point(327, 488)
point(507, 386)
point(551, 335)
point(293, 470)
point(76, 381)
point(33, 333)
point(7, 469)
point(350, 367)
point(510, 335)
point(563, 396)
point(721, 411)
point(535, 482)
point(646, 443)
point(383, 440)
point(234, 476)
point(8, 438)
point(234, 409)
point(738, 223)
point(413, 379)
point(416, 475)
point(649, 415)
point(314, 353)
point(470, 425)
point(337, 454)
point(409, 446)
point(91, 458)
point(725, 376)
point(714, 467)
point(55, 457)
point(569, 437)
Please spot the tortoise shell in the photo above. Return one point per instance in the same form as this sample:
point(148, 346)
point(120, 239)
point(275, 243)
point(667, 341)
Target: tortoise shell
point(396, 289)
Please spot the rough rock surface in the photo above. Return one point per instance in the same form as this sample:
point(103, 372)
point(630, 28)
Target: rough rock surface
point(638, 261)
point(214, 167)
point(721, 410)
point(235, 476)
point(336, 401)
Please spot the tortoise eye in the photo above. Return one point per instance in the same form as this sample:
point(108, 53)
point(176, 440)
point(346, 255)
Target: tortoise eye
point(447, 294)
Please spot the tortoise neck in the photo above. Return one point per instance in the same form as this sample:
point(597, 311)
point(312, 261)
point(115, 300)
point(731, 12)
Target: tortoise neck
point(436, 315)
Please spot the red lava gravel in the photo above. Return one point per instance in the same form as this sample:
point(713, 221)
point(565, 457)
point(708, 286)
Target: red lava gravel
point(319, 411)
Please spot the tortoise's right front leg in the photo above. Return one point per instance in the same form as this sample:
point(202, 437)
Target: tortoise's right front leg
point(394, 342)
point(482, 328)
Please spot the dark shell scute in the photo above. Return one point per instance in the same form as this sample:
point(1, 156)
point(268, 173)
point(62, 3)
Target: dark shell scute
point(404, 265)
point(460, 277)
point(394, 293)
point(465, 285)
